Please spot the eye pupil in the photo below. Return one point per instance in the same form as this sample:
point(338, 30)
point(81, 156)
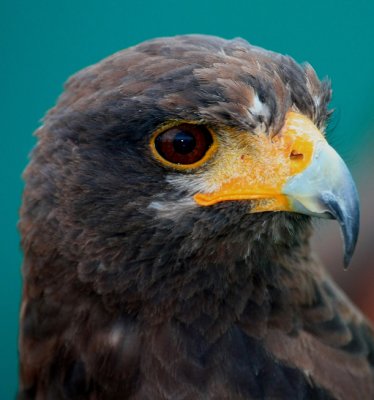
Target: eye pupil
point(184, 143)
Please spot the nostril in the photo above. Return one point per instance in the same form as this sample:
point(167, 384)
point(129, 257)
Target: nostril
point(295, 155)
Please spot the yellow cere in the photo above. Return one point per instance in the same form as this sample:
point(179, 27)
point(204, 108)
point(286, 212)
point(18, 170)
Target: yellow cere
point(256, 167)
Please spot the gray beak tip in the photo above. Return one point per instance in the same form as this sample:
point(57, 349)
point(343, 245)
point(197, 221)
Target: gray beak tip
point(350, 235)
point(347, 213)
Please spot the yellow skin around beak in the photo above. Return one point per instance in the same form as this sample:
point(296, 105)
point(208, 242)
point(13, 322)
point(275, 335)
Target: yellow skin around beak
point(295, 170)
point(260, 171)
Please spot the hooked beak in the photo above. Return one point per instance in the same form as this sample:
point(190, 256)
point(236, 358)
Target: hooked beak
point(307, 176)
point(326, 189)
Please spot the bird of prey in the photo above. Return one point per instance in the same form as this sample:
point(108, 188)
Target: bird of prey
point(165, 224)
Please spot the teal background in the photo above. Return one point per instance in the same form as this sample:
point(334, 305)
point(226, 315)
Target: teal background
point(43, 42)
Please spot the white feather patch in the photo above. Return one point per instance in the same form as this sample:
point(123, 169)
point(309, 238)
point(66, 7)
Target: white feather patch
point(173, 209)
point(259, 108)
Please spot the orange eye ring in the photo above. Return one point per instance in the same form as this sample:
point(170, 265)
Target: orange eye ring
point(183, 146)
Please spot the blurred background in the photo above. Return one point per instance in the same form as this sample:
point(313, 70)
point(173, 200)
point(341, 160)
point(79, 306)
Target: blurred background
point(43, 42)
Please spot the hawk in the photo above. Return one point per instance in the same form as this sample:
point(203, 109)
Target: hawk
point(165, 224)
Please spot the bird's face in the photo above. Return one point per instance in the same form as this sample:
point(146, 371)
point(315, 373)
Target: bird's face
point(293, 170)
point(189, 148)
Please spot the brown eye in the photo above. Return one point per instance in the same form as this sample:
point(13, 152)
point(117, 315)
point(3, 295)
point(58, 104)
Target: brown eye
point(185, 144)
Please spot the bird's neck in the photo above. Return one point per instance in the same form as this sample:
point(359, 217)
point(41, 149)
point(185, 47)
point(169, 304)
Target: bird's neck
point(208, 285)
point(213, 295)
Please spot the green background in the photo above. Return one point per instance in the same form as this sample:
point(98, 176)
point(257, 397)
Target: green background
point(43, 42)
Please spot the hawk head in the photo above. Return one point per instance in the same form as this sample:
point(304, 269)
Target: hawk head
point(176, 168)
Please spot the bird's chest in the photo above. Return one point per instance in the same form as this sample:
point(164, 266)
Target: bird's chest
point(178, 363)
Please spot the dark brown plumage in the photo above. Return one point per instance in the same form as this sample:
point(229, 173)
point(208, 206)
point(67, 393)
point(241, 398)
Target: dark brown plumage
point(134, 291)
